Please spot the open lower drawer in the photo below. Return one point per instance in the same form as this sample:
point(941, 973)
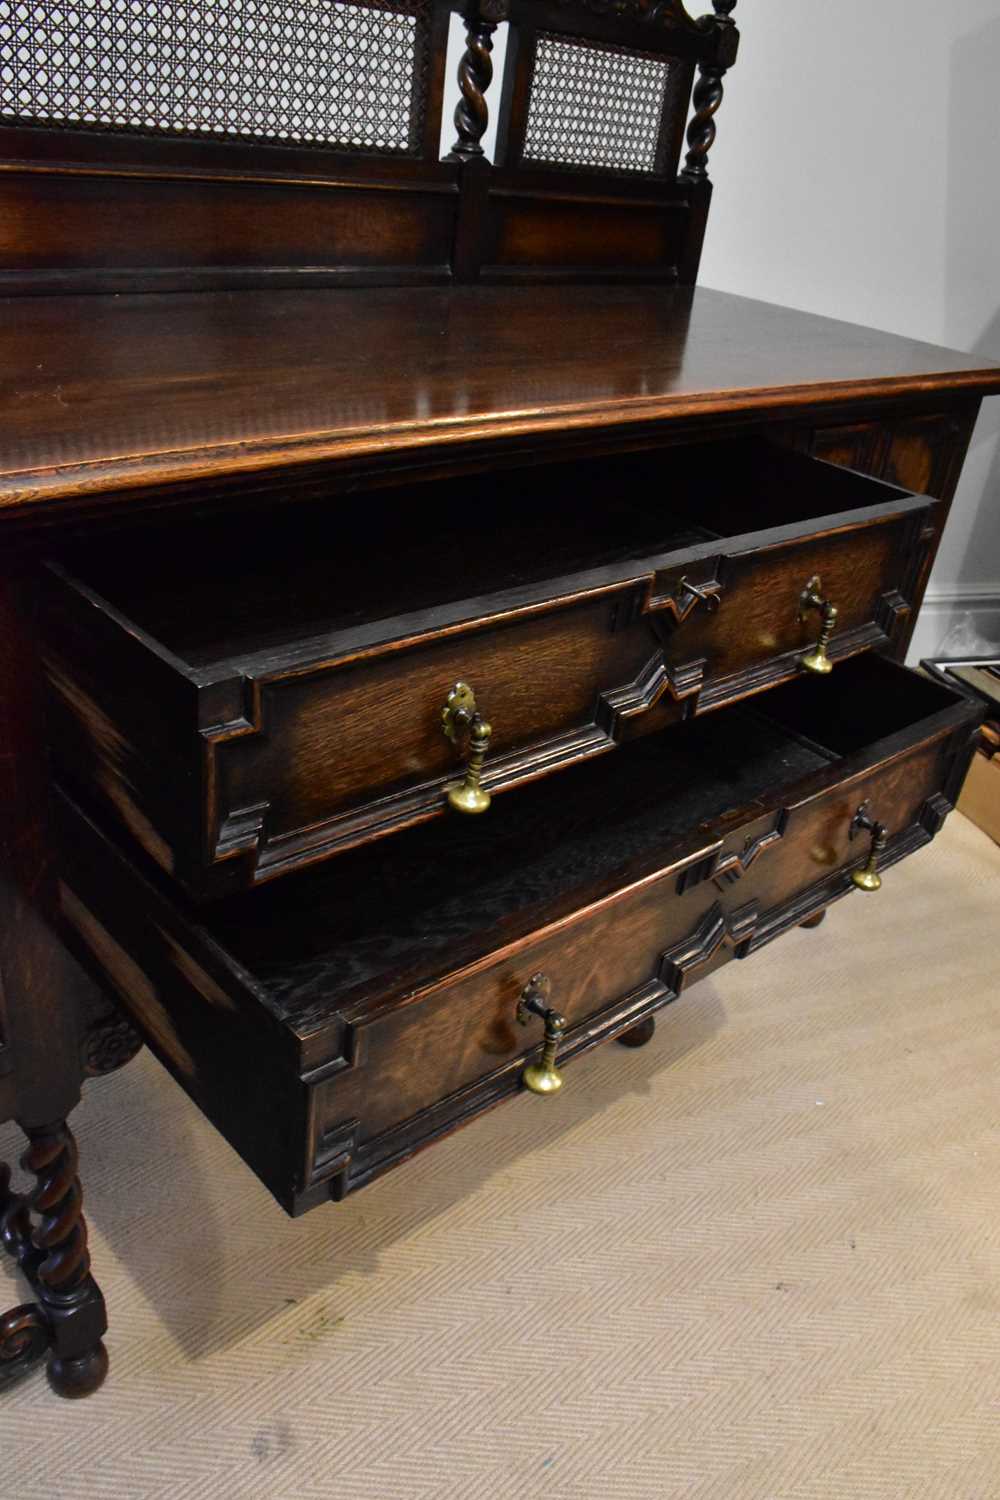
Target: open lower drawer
point(335, 1022)
point(246, 697)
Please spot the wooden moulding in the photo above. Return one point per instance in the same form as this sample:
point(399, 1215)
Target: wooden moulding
point(333, 1024)
point(237, 743)
point(173, 400)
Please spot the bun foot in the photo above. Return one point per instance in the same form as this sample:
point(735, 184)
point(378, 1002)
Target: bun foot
point(814, 921)
point(640, 1034)
point(80, 1376)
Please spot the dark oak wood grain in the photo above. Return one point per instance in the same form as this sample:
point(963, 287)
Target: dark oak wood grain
point(336, 423)
point(281, 709)
point(921, 451)
point(360, 1002)
point(43, 996)
point(107, 396)
point(45, 1232)
point(263, 187)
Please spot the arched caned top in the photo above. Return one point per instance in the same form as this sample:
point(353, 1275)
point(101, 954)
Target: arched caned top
point(273, 141)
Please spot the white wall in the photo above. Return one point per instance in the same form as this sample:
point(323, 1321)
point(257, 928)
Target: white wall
point(857, 174)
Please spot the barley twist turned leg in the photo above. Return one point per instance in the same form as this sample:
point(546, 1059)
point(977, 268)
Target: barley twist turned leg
point(46, 1233)
point(24, 1333)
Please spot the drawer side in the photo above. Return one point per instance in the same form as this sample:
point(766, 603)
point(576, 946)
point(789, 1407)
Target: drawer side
point(121, 717)
point(200, 1014)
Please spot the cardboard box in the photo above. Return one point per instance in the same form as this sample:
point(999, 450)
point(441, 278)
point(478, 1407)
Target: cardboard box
point(980, 796)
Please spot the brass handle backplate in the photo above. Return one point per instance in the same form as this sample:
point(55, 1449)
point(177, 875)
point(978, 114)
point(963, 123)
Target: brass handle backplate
point(463, 723)
point(542, 1077)
point(867, 878)
point(811, 598)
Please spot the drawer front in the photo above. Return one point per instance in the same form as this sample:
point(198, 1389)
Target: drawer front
point(414, 1069)
point(324, 1077)
point(448, 1037)
point(358, 748)
point(232, 775)
point(355, 750)
point(820, 838)
point(759, 632)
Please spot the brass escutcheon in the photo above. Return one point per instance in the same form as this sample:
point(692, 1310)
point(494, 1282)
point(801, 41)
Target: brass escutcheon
point(817, 660)
point(867, 877)
point(462, 721)
point(542, 1077)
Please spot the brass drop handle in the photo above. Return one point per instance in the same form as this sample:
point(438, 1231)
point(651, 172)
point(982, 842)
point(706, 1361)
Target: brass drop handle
point(811, 598)
point(867, 878)
point(542, 1077)
point(462, 721)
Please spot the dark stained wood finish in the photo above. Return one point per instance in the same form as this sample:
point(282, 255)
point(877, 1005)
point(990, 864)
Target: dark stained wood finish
point(146, 209)
point(41, 988)
point(545, 219)
point(332, 1024)
point(922, 452)
point(115, 397)
point(275, 712)
point(46, 1234)
point(640, 1035)
point(471, 450)
point(106, 230)
point(43, 996)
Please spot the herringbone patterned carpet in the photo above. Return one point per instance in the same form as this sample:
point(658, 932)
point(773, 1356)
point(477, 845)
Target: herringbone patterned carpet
point(759, 1258)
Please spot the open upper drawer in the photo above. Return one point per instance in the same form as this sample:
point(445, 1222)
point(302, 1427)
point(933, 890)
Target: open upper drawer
point(251, 695)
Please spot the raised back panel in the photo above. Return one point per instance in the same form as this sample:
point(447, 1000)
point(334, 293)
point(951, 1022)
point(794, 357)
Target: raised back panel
point(594, 105)
point(161, 144)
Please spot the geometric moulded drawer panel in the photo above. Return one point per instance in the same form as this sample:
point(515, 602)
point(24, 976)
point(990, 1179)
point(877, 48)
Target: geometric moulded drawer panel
point(249, 729)
point(329, 1035)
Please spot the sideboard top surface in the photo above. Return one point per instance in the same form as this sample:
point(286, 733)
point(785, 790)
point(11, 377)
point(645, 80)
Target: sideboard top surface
point(109, 395)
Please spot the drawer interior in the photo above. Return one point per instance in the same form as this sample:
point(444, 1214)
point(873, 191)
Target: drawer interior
point(218, 591)
point(872, 700)
point(375, 921)
point(335, 1021)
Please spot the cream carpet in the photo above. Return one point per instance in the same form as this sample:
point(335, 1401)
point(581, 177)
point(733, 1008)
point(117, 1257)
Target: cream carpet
point(758, 1258)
